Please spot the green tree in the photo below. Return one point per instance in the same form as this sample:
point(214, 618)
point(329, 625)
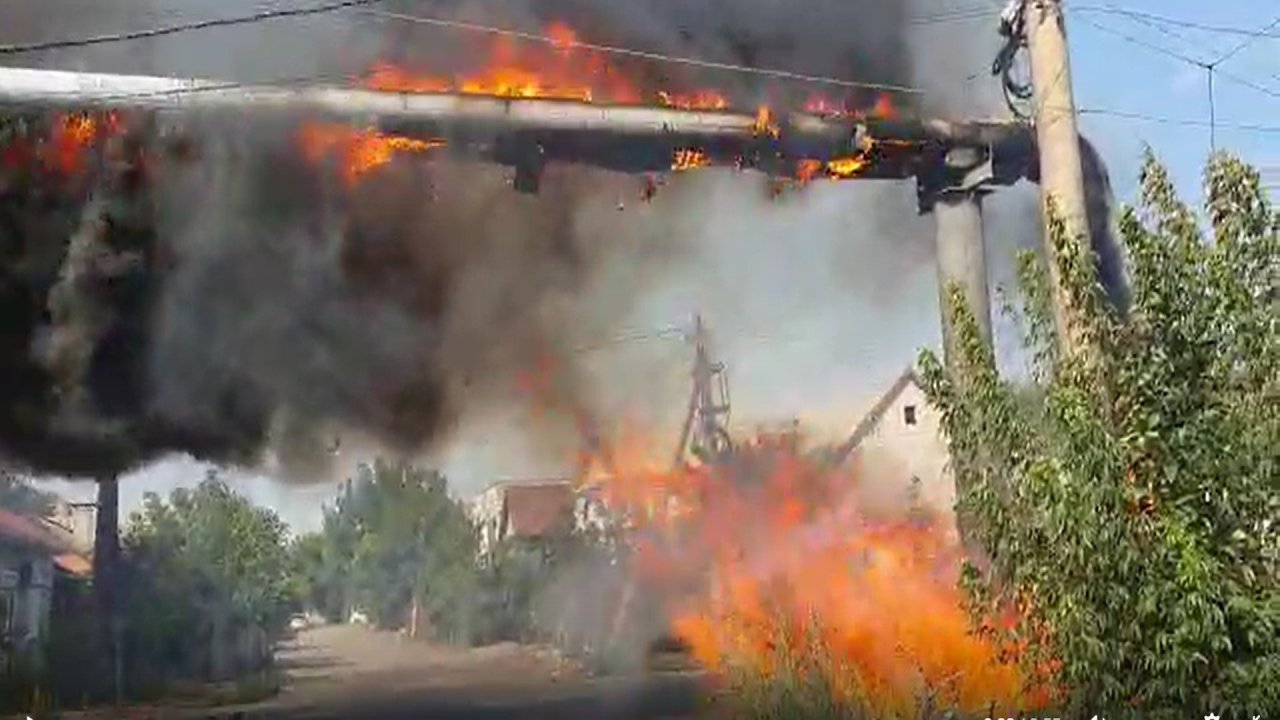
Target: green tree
point(1129, 516)
point(394, 540)
point(204, 566)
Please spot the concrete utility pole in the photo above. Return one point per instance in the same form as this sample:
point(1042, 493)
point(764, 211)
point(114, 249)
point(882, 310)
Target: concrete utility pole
point(106, 582)
point(1061, 174)
point(962, 261)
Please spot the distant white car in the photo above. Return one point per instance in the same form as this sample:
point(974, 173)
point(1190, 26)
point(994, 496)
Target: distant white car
point(299, 622)
point(358, 618)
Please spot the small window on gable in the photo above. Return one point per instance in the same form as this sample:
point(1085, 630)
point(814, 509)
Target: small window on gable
point(909, 414)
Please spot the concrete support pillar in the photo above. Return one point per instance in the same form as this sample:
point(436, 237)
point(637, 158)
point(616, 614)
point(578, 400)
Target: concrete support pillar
point(962, 259)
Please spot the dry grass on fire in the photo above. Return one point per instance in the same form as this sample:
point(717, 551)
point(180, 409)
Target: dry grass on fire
point(807, 602)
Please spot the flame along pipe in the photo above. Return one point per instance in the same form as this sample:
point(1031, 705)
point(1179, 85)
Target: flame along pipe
point(529, 132)
point(81, 90)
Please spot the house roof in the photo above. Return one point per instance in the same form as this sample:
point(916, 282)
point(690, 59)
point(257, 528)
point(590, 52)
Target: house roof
point(74, 564)
point(538, 510)
point(22, 530)
point(875, 415)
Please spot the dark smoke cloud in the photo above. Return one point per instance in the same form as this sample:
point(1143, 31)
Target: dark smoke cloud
point(243, 302)
point(851, 39)
point(847, 39)
point(235, 303)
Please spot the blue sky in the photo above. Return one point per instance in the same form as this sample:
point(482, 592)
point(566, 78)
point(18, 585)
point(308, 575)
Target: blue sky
point(1117, 74)
point(817, 303)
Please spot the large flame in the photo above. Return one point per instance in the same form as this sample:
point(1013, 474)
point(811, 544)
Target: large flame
point(771, 563)
point(67, 146)
point(560, 70)
point(358, 151)
point(827, 107)
point(563, 69)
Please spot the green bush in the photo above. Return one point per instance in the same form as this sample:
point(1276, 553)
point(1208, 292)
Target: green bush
point(1127, 508)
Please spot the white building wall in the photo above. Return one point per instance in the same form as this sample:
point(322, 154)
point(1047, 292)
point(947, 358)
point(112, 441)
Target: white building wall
point(486, 514)
point(27, 582)
point(905, 460)
point(78, 520)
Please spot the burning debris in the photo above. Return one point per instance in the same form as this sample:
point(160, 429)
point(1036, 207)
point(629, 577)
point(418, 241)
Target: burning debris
point(688, 159)
point(358, 151)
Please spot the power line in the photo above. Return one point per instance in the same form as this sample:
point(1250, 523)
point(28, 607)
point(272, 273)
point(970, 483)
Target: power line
point(1189, 122)
point(183, 28)
point(1176, 22)
point(637, 336)
point(302, 80)
point(1146, 44)
point(1246, 43)
point(630, 52)
point(976, 13)
point(17, 49)
point(1211, 66)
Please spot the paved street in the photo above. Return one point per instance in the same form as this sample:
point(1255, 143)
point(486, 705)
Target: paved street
point(347, 672)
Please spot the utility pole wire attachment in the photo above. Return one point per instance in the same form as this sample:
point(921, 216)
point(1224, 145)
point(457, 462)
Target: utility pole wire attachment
point(1013, 29)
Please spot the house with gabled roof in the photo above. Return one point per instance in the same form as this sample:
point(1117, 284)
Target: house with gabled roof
point(33, 553)
point(538, 509)
point(899, 454)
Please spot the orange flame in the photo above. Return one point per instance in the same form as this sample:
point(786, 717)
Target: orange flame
point(688, 159)
point(73, 136)
point(843, 168)
point(771, 564)
point(765, 124)
point(883, 108)
point(807, 169)
point(701, 100)
point(562, 70)
point(359, 151)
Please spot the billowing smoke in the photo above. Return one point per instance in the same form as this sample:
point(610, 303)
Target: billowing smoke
point(220, 296)
point(236, 298)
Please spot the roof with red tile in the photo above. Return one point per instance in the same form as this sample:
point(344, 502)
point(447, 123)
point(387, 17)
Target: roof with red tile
point(74, 564)
point(22, 530)
point(539, 510)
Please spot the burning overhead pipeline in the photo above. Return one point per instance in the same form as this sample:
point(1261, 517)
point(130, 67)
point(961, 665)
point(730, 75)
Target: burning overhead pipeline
point(688, 159)
point(358, 150)
point(66, 147)
point(521, 132)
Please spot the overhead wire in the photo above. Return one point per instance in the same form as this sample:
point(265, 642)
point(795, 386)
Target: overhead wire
point(1189, 122)
point(973, 13)
point(1247, 42)
point(1175, 22)
point(1206, 65)
point(631, 52)
point(363, 7)
point(252, 18)
point(1211, 68)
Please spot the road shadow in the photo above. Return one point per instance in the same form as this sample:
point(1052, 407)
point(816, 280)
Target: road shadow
point(644, 698)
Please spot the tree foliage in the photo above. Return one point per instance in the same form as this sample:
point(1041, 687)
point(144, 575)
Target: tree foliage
point(393, 536)
point(1130, 516)
point(204, 566)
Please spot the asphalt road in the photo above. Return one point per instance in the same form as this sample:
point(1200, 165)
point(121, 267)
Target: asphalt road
point(345, 672)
